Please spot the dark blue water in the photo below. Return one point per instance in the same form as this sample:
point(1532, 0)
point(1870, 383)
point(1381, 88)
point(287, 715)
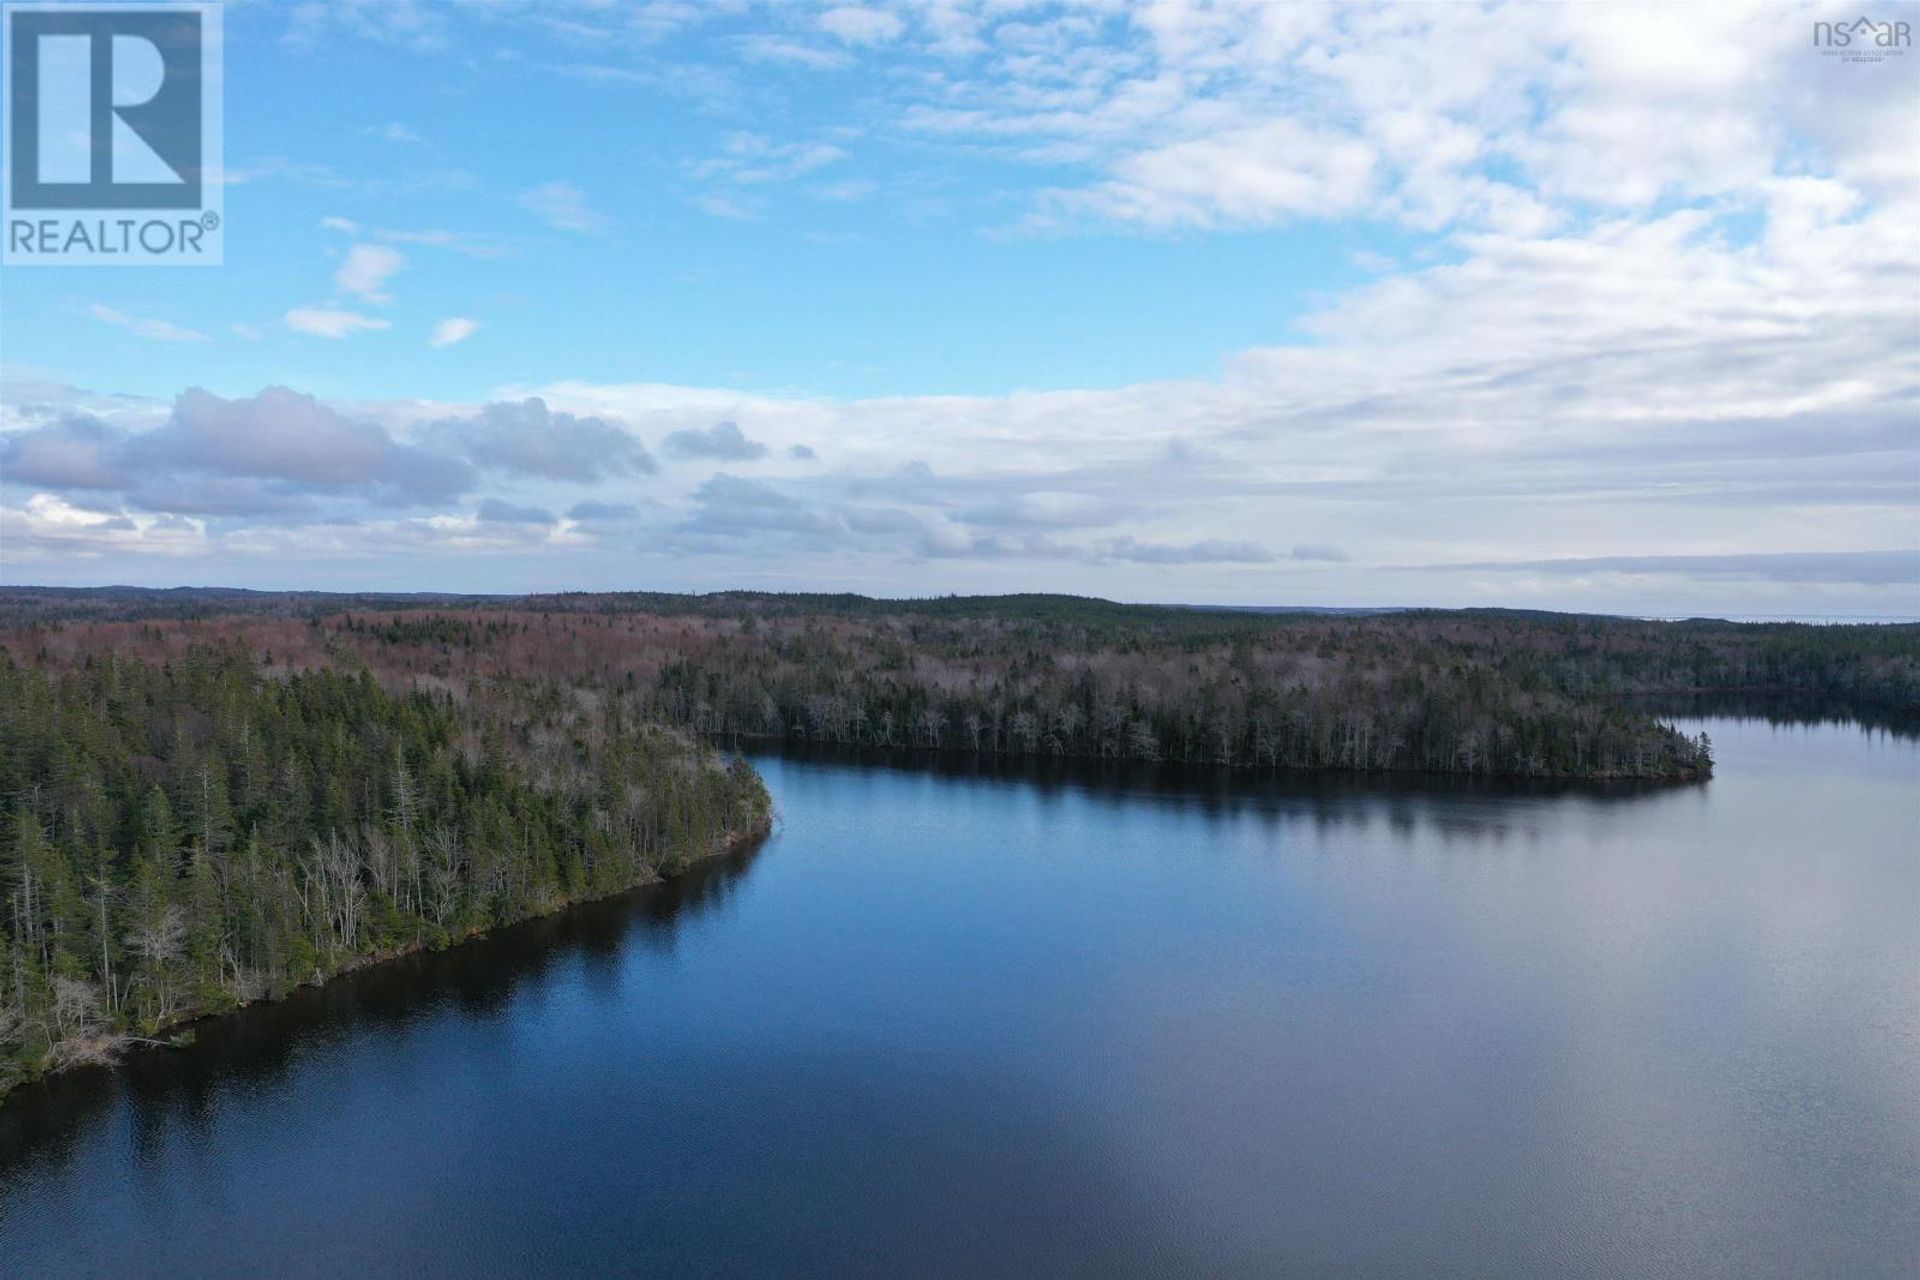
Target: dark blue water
point(1070, 1023)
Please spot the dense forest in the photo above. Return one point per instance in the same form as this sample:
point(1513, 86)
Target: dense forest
point(1479, 692)
point(184, 836)
point(209, 797)
point(1482, 693)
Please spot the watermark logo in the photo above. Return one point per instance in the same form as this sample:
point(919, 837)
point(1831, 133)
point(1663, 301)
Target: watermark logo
point(113, 135)
point(1863, 39)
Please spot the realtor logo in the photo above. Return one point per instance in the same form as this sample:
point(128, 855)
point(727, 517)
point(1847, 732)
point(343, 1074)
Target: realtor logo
point(113, 116)
point(1863, 39)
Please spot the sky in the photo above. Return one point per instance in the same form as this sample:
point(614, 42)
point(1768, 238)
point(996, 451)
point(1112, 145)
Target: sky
point(1590, 307)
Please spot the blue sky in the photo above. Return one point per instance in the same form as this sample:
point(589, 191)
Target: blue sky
point(1563, 307)
point(718, 228)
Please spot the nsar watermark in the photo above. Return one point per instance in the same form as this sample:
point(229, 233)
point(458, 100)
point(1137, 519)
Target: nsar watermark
point(113, 135)
point(1863, 39)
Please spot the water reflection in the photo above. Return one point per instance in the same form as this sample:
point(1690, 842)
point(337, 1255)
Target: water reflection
point(1785, 709)
point(253, 1050)
point(1410, 804)
point(972, 1017)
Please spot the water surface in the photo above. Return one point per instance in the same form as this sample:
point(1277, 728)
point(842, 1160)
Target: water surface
point(1058, 1022)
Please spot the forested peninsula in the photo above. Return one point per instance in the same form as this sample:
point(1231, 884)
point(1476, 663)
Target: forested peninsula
point(184, 837)
point(210, 797)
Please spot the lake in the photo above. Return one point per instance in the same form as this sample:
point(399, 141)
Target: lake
point(1066, 1021)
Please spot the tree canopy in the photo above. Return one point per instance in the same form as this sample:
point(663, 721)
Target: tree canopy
point(180, 837)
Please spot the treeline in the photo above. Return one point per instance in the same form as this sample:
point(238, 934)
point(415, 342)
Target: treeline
point(1584, 655)
point(1874, 665)
point(211, 797)
point(178, 838)
point(1430, 694)
point(1351, 701)
point(1485, 692)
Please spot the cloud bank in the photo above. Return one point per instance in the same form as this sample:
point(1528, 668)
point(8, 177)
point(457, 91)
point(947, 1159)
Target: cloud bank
point(1648, 341)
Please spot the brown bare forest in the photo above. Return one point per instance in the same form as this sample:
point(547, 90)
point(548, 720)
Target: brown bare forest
point(1489, 693)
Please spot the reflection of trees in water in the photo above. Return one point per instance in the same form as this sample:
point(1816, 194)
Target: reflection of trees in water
point(1785, 709)
point(1450, 806)
point(255, 1047)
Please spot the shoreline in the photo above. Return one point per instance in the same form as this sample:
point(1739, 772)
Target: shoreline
point(168, 1035)
point(781, 741)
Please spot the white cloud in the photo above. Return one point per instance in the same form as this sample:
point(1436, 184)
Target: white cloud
point(750, 159)
point(1510, 117)
point(1652, 305)
point(463, 242)
point(860, 26)
point(722, 207)
point(322, 322)
point(157, 330)
point(466, 243)
point(773, 48)
point(1246, 176)
point(563, 206)
point(853, 189)
point(451, 330)
point(1205, 551)
point(366, 269)
point(1644, 389)
point(52, 529)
